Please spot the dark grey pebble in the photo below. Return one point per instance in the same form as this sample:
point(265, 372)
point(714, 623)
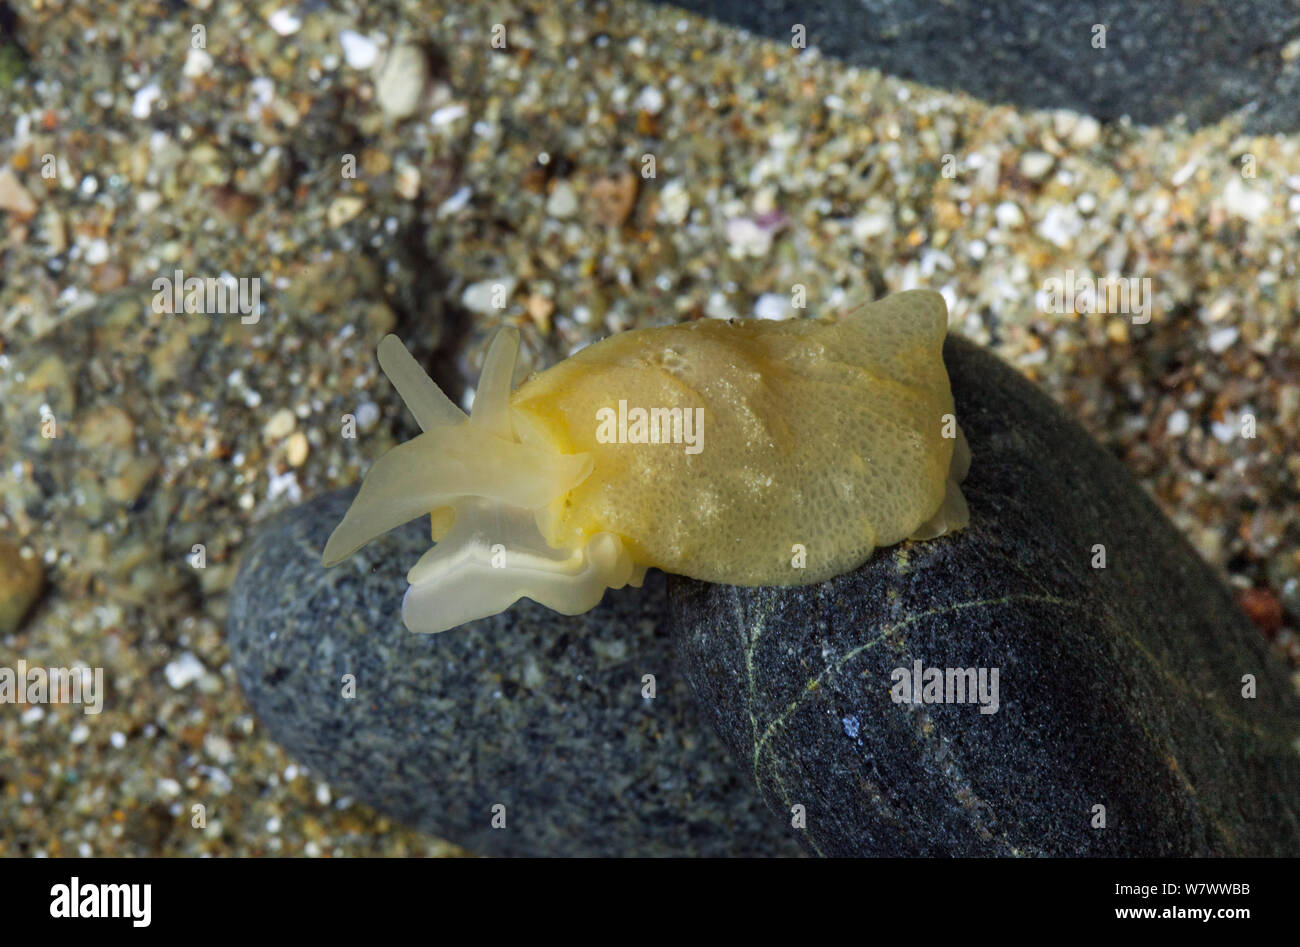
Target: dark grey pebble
point(538, 712)
point(1119, 687)
point(1161, 58)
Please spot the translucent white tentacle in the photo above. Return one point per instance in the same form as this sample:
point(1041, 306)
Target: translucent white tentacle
point(491, 409)
point(418, 391)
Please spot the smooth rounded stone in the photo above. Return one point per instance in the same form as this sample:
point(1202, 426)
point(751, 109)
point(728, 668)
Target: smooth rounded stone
point(21, 582)
point(1118, 687)
point(1161, 58)
point(401, 81)
point(529, 709)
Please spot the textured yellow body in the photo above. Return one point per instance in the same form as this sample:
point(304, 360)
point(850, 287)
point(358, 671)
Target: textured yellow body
point(750, 453)
point(825, 434)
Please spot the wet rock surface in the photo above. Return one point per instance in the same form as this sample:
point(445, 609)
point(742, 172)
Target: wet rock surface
point(530, 710)
point(1118, 687)
point(1151, 61)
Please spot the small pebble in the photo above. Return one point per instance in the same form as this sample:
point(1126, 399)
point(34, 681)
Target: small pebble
point(367, 415)
point(773, 306)
point(183, 671)
point(1226, 430)
point(448, 113)
point(198, 62)
point(456, 203)
point(97, 251)
point(749, 238)
point(408, 181)
point(540, 309)
point(674, 203)
point(142, 103)
point(126, 484)
point(14, 197)
point(401, 83)
point(296, 449)
point(342, 209)
point(1086, 133)
point(479, 297)
point(1008, 215)
point(279, 425)
point(1222, 339)
point(1220, 308)
point(562, 202)
point(146, 202)
point(1060, 225)
point(650, 100)
point(168, 788)
point(867, 226)
point(1243, 200)
point(284, 21)
point(718, 307)
point(611, 199)
point(359, 52)
point(1178, 423)
point(1263, 608)
point(21, 581)
point(1035, 165)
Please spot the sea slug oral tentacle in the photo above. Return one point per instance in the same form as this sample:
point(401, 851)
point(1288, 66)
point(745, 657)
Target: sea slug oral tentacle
point(431, 407)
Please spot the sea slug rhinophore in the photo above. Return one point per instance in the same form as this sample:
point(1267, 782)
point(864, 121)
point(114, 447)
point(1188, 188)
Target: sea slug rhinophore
point(747, 452)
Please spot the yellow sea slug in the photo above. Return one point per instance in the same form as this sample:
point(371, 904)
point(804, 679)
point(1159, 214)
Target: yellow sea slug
point(746, 452)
